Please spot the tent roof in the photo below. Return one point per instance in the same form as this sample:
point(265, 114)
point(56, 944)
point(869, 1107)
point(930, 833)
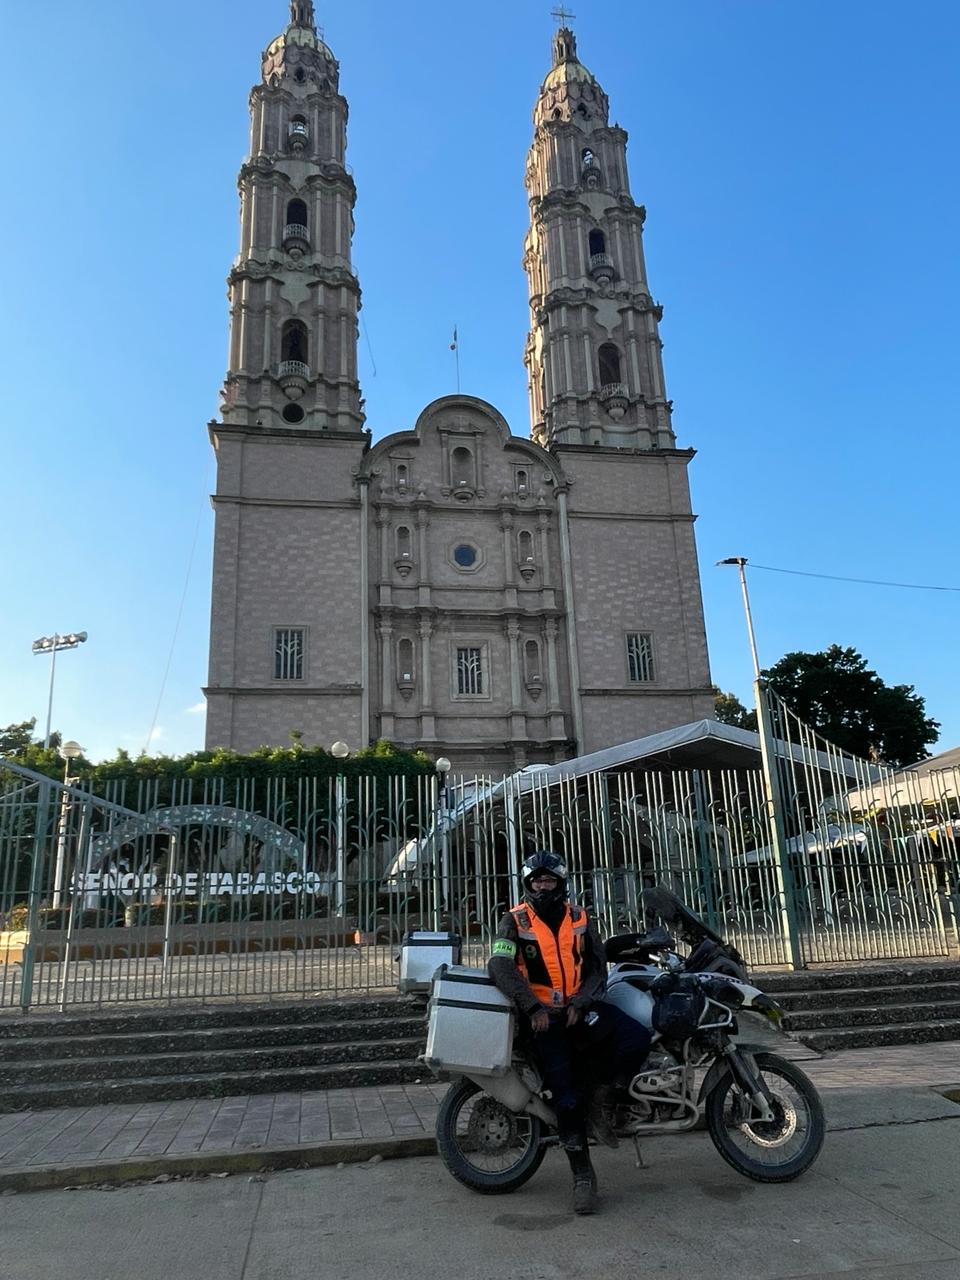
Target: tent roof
point(945, 760)
point(701, 744)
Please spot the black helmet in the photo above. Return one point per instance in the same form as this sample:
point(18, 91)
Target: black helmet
point(544, 862)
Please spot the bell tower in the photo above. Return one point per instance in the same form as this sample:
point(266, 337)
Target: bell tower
point(593, 351)
point(293, 294)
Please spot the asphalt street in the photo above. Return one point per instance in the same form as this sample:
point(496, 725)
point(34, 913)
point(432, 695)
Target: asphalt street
point(879, 1205)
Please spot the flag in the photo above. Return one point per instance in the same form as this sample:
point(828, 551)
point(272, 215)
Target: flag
point(453, 344)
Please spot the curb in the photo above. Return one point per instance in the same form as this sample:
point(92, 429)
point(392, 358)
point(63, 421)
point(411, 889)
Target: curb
point(57, 1176)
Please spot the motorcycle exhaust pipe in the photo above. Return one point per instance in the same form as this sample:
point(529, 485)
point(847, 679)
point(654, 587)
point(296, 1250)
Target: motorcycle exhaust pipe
point(515, 1095)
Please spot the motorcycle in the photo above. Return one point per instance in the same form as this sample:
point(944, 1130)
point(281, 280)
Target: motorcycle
point(761, 1111)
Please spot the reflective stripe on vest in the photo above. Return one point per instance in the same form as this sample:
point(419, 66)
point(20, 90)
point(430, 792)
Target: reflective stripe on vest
point(552, 963)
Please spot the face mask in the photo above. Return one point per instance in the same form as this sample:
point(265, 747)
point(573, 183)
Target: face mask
point(546, 902)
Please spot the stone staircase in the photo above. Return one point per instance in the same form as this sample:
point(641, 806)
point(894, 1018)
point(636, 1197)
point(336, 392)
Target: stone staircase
point(153, 1055)
point(866, 1006)
point(147, 1055)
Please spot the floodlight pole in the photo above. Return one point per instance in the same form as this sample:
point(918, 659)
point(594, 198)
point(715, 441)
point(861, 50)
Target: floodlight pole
point(52, 645)
point(783, 872)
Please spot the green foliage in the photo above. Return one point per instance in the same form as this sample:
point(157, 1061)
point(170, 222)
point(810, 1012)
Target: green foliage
point(838, 695)
point(383, 760)
point(16, 738)
point(728, 709)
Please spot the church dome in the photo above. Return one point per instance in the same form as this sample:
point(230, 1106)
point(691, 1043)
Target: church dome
point(299, 50)
point(566, 72)
point(570, 90)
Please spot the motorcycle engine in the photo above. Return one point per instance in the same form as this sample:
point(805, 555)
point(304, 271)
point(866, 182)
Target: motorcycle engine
point(661, 1075)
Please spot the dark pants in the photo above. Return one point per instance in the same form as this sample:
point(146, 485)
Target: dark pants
point(609, 1049)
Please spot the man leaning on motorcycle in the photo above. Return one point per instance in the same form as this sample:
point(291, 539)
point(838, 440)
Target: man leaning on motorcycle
point(549, 960)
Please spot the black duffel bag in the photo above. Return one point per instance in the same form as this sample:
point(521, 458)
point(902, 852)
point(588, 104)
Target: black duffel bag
point(678, 1004)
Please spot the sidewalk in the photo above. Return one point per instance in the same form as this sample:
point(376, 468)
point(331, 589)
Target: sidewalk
point(125, 1142)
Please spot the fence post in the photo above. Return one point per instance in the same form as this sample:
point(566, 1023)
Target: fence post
point(703, 829)
point(35, 893)
point(783, 872)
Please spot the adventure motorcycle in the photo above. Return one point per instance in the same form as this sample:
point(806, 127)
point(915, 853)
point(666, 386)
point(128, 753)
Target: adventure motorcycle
point(762, 1112)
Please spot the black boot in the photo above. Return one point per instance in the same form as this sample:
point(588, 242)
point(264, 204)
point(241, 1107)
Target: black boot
point(584, 1179)
point(600, 1115)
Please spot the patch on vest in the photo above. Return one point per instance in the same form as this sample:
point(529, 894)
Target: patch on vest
point(530, 950)
point(504, 947)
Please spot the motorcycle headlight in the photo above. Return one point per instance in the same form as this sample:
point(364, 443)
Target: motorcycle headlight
point(768, 1007)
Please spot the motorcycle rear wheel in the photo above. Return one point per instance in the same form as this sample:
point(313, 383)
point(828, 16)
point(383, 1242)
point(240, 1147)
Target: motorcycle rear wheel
point(767, 1151)
point(484, 1145)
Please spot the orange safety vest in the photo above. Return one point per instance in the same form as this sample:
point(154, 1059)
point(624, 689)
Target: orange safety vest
point(552, 963)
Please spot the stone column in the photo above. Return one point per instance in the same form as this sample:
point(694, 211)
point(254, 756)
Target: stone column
point(543, 527)
point(427, 723)
point(364, 485)
point(385, 631)
point(573, 654)
point(554, 705)
point(511, 629)
point(383, 537)
point(423, 560)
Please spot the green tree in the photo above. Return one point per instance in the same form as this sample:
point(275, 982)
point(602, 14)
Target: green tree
point(15, 738)
point(836, 693)
point(728, 709)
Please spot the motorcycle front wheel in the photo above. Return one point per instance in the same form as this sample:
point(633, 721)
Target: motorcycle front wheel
point(484, 1145)
point(776, 1150)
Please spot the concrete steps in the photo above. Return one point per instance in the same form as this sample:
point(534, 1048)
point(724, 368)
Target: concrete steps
point(860, 1007)
point(161, 1055)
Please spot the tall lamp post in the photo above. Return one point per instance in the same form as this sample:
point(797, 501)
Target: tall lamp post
point(340, 751)
point(771, 786)
point(52, 645)
point(442, 844)
point(70, 751)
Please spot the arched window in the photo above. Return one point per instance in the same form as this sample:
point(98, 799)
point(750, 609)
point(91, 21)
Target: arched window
point(461, 470)
point(296, 213)
point(608, 359)
point(294, 342)
point(403, 542)
point(522, 482)
point(531, 663)
point(525, 546)
point(405, 672)
point(598, 242)
point(402, 476)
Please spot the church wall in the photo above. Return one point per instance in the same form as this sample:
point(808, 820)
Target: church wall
point(293, 491)
point(253, 720)
point(635, 570)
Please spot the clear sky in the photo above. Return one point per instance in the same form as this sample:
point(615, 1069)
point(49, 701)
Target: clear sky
point(799, 166)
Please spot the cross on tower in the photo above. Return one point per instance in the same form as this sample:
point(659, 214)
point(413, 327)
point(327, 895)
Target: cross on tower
point(561, 15)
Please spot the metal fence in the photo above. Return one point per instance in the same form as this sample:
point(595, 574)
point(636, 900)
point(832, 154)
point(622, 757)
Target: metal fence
point(172, 890)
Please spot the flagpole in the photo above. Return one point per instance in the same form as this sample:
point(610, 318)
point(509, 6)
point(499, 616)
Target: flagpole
point(455, 348)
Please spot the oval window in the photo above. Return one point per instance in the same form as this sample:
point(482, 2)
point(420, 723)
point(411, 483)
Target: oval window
point(465, 556)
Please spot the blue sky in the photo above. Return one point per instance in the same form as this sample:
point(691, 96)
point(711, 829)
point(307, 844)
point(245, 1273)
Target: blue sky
point(798, 164)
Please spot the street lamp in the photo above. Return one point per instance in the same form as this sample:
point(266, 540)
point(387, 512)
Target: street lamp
point(70, 752)
point(52, 645)
point(740, 562)
point(340, 751)
point(441, 844)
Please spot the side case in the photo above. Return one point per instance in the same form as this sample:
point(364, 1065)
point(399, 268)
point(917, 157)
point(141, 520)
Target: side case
point(471, 1024)
point(422, 952)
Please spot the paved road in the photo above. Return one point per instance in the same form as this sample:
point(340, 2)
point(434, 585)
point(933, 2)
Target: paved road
point(879, 1205)
point(63, 1139)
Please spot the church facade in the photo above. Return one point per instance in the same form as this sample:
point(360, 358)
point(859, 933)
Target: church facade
point(493, 598)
